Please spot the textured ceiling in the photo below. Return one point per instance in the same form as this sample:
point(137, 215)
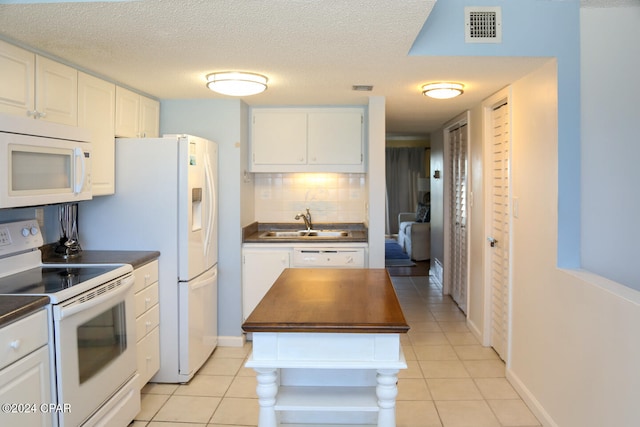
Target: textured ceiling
point(312, 51)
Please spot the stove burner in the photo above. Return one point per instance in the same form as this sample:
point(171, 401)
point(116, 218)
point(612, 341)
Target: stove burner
point(69, 277)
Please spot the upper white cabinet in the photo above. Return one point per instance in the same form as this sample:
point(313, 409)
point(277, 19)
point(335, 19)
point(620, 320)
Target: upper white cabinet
point(136, 116)
point(37, 87)
point(17, 85)
point(96, 112)
point(56, 92)
point(149, 117)
point(307, 140)
point(279, 138)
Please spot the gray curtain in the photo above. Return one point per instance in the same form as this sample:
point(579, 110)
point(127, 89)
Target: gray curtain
point(404, 165)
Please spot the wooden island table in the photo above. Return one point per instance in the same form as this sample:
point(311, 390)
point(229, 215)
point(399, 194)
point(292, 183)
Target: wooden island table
point(326, 348)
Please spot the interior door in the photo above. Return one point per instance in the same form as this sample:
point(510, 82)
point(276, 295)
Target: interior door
point(459, 212)
point(499, 236)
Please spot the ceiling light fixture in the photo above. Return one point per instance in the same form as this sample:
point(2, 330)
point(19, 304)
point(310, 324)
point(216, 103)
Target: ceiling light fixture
point(236, 83)
point(442, 90)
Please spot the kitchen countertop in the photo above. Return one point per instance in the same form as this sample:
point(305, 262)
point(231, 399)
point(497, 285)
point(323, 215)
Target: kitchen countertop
point(135, 258)
point(329, 300)
point(252, 233)
point(13, 307)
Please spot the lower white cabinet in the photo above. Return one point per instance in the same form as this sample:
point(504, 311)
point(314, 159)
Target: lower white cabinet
point(25, 373)
point(260, 268)
point(147, 321)
point(263, 263)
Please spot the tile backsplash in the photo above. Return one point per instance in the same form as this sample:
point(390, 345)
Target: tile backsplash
point(330, 197)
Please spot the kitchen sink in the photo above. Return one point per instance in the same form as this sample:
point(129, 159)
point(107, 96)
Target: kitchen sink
point(283, 233)
point(327, 233)
point(292, 234)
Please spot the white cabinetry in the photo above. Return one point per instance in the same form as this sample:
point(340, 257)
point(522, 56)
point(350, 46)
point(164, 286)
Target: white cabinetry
point(25, 372)
point(17, 85)
point(278, 138)
point(136, 116)
point(262, 263)
point(260, 268)
point(307, 140)
point(96, 112)
point(36, 86)
point(147, 321)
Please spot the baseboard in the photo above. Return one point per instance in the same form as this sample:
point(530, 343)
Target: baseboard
point(475, 331)
point(534, 405)
point(231, 341)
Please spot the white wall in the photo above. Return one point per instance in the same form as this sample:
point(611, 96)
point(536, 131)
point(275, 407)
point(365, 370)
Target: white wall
point(575, 345)
point(610, 55)
point(376, 182)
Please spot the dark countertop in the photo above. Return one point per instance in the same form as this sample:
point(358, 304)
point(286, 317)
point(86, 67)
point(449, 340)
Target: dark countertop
point(135, 258)
point(13, 307)
point(329, 300)
point(252, 233)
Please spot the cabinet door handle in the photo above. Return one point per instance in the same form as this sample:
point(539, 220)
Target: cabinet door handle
point(15, 344)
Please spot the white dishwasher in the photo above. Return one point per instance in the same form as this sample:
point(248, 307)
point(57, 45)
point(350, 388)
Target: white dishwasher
point(328, 257)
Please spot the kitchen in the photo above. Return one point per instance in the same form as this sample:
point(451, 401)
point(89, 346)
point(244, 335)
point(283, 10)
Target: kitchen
point(324, 193)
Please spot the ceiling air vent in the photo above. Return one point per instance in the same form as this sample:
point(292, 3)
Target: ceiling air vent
point(483, 24)
point(363, 88)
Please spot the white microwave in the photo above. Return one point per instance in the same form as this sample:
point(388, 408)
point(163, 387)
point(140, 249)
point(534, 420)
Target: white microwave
point(43, 163)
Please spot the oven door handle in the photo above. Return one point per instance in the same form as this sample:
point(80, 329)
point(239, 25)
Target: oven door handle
point(78, 306)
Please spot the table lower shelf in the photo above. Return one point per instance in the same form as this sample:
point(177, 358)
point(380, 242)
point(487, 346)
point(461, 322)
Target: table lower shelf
point(326, 398)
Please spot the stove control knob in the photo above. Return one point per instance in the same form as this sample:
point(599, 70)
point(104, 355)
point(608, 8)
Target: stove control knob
point(34, 230)
point(25, 232)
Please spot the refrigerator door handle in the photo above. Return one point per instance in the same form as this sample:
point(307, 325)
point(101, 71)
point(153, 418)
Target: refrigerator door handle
point(211, 205)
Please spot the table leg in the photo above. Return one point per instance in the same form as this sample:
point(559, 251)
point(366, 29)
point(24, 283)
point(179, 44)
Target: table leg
point(386, 391)
point(267, 389)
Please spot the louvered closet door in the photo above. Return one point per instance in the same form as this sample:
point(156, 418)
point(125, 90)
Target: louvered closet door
point(458, 200)
point(499, 237)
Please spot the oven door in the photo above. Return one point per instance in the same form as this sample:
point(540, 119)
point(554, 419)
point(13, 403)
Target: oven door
point(94, 348)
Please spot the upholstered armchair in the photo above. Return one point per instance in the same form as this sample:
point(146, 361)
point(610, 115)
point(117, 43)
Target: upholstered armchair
point(414, 236)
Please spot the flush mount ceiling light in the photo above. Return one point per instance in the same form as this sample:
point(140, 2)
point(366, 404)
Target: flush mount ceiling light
point(442, 90)
point(236, 83)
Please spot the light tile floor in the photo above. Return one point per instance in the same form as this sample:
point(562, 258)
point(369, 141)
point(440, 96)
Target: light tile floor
point(451, 380)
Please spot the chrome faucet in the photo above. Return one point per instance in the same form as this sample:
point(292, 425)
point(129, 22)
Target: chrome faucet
point(306, 218)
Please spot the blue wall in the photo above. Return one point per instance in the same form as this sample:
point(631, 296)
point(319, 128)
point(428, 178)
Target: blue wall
point(531, 28)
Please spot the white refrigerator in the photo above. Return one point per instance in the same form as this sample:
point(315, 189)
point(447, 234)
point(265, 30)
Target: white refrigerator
point(166, 200)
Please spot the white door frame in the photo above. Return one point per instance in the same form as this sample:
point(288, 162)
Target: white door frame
point(488, 105)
